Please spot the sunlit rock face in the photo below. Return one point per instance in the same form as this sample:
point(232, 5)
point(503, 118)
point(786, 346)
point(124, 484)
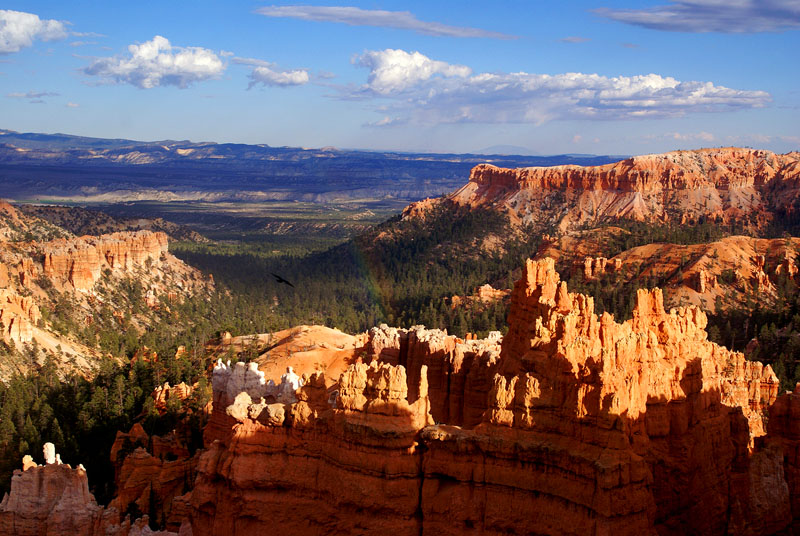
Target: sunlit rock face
point(587, 426)
point(721, 184)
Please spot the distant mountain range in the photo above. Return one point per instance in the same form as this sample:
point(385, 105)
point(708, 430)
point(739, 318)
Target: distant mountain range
point(61, 167)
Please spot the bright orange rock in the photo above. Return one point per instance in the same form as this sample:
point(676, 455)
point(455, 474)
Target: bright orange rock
point(588, 426)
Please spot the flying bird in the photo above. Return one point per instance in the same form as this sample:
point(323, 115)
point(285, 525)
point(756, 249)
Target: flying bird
point(279, 279)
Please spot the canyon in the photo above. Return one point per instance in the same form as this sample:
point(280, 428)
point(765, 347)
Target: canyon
point(634, 427)
point(572, 422)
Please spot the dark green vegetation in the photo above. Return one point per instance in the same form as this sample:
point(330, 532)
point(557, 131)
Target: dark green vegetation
point(401, 272)
point(81, 417)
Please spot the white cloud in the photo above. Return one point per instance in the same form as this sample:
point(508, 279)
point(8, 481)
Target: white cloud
point(270, 77)
point(355, 16)
point(396, 70)
point(268, 74)
point(725, 16)
point(19, 30)
point(385, 121)
point(427, 91)
point(72, 105)
point(158, 63)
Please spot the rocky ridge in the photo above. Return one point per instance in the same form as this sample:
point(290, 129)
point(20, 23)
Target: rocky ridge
point(572, 423)
point(679, 187)
point(721, 273)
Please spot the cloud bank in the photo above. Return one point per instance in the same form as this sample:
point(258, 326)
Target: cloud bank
point(423, 90)
point(19, 30)
point(157, 63)
point(354, 16)
point(724, 16)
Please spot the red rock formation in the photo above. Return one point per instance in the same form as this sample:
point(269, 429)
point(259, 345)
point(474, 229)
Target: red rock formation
point(484, 295)
point(714, 183)
point(79, 262)
point(594, 268)
point(18, 315)
point(331, 474)
point(705, 281)
point(54, 500)
point(591, 427)
point(459, 372)
point(164, 393)
point(784, 432)
point(787, 266)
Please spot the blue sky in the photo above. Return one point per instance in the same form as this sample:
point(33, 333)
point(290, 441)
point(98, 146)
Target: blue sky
point(614, 77)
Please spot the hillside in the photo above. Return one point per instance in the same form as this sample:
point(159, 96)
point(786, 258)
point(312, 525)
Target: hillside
point(74, 298)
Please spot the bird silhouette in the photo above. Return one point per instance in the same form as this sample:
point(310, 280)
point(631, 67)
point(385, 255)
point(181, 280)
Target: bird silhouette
point(279, 279)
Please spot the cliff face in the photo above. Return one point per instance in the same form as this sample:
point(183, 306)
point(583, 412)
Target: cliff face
point(54, 500)
point(79, 262)
point(573, 424)
point(311, 469)
point(92, 271)
point(679, 186)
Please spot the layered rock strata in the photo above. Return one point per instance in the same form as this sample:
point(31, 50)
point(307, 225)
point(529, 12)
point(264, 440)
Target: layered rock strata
point(79, 262)
point(681, 186)
point(459, 372)
point(310, 468)
point(590, 426)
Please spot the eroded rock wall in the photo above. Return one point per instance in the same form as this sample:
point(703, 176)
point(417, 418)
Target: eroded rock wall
point(588, 426)
point(680, 186)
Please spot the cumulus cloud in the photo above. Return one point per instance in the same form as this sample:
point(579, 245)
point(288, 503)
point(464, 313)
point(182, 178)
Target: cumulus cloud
point(268, 74)
point(19, 30)
point(725, 16)
point(397, 70)
point(158, 63)
point(424, 90)
point(72, 105)
point(355, 16)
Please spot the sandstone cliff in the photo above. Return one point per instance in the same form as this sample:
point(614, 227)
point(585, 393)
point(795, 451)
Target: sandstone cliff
point(573, 424)
point(679, 187)
point(79, 262)
point(91, 274)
